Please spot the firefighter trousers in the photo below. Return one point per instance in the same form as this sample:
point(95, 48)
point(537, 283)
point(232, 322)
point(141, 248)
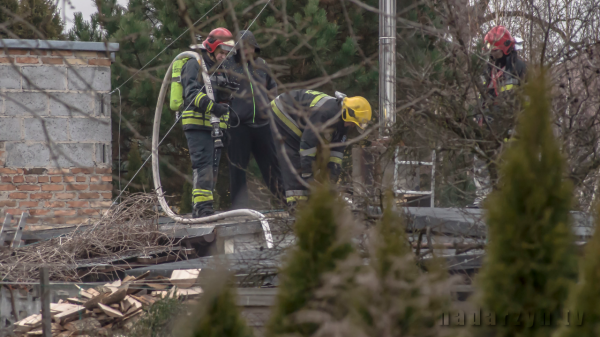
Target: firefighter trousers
point(258, 141)
point(204, 164)
point(294, 190)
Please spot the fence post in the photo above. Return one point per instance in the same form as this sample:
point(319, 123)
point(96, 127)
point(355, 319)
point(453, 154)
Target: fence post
point(45, 291)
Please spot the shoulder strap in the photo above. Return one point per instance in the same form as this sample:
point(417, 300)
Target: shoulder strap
point(206, 79)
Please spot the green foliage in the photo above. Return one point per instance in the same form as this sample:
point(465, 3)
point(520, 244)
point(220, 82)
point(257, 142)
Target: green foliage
point(394, 286)
point(6, 8)
point(185, 205)
point(530, 261)
point(320, 245)
point(41, 19)
point(85, 31)
point(582, 297)
point(134, 163)
point(158, 320)
point(218, 314)
point(389, 296)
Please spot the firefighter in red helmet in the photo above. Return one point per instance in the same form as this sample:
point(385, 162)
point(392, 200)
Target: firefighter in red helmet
point(199, 107)
point(503, 75)
point(506, 70)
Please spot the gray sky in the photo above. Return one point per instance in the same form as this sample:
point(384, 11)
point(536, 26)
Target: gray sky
point(86, 7)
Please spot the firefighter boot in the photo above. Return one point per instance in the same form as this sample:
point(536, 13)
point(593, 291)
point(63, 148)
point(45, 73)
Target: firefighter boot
point(203, 209)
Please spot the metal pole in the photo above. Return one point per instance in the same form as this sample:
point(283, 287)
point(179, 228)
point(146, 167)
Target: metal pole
point(387, 65)
point(45, 292)
point(433, 179)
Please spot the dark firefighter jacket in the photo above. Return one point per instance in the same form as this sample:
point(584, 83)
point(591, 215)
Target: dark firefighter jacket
point(508, 77)
point(196, 103)
point(295, 107)
point(251, 102)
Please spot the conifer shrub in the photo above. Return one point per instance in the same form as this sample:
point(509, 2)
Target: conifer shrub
point(217, 314)
point(530, 259)
point(158, 319)
point(583, 317)
point(388, 296)
point(323, 231)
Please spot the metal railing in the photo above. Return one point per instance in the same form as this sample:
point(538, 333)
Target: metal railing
point(400, 191)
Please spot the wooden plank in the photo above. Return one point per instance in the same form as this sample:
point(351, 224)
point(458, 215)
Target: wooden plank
point(128, 278)
point(142, 276)
point(93, 302)
point(132, 314)
point(184, 278)
point(115, 297)
point(5, 225)
point(130, 302)
point(83, 292)
point(16, 241)
point(66, 315)
point(160, 293)
point(75, 300)
point(30, 321)
point(57, 308)
point(110, 311)
point(93, 291)
point(191, 292)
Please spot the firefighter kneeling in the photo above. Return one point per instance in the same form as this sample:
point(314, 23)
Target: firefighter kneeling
point(300, 116)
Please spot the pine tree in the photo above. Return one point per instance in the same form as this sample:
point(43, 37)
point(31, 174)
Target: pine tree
point(85, 30)
point(7, 7)
point(42, 19)
point(217, 314)
point(582, 302)
point(43, 16)
point(322, 241)
point(134, 163)
point(530, 261)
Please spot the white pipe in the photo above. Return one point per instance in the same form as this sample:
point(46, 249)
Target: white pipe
point(156, 175)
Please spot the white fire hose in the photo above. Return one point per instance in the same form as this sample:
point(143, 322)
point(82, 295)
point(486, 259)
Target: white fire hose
point(156, 174)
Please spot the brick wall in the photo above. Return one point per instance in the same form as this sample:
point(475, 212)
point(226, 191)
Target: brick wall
point(55, 135)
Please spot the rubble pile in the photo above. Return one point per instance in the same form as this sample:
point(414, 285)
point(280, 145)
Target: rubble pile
point(114, 306)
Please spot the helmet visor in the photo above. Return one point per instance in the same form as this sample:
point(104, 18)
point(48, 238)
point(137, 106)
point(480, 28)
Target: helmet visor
point(228, 46)
point(348, 115)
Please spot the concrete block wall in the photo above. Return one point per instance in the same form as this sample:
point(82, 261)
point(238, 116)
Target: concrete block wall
point(55, 134)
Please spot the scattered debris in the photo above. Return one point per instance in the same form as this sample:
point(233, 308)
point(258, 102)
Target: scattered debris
point(97, 311)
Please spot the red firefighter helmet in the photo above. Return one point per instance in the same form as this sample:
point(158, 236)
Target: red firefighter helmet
point(219, 37)
point(499, 38)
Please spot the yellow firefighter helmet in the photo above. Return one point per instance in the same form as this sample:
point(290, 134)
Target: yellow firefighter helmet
point(356, 110)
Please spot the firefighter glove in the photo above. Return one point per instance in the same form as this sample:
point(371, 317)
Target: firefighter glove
point(220, 109)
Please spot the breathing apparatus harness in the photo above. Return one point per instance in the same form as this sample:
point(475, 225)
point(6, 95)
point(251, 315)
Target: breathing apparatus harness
point(221, 80)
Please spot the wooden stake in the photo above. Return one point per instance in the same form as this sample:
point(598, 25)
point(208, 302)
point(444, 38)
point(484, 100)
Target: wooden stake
point(45, 290)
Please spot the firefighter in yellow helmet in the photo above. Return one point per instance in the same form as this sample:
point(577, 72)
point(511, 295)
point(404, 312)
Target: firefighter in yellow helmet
point(299, 116)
